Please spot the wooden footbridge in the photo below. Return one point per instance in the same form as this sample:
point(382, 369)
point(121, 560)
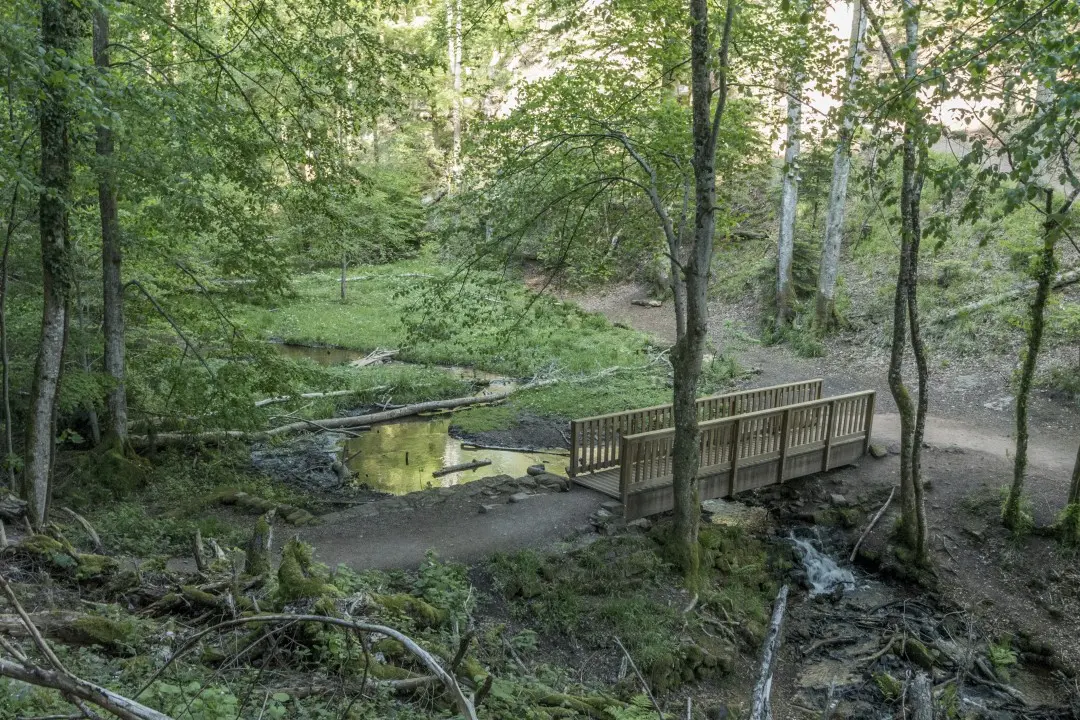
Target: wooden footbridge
point(749, 439)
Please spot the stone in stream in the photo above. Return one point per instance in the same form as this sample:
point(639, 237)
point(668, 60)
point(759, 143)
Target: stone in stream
point(536, 469)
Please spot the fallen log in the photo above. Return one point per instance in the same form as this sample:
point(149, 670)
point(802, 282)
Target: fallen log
point(504, 448)
point(1067, 277)
point(374, 357)
point(307, 396)
point(471, 465)
point(760, 703)
point(332, 423)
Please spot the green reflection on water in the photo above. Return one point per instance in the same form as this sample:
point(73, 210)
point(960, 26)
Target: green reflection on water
point(400, 458)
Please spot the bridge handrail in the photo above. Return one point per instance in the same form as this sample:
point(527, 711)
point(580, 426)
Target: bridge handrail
point(595, 441)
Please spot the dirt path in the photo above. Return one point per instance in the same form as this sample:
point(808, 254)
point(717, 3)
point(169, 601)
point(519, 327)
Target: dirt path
point(399, 535)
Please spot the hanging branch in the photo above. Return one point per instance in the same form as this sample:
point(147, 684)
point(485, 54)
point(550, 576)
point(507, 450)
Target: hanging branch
point(161, 311)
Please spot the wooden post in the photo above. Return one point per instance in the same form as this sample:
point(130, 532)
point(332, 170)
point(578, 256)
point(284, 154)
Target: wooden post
point(785, 423)
point(735, 432)
point(829, 429)
point(573, 449)
point(869, 422)
point(626, 469)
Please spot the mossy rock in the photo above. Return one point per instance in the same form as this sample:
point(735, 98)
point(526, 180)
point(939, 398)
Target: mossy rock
point(420, 611)
point(385, 671)
point(41, 546)
point(258, 550)
point(916, 652)
point(82, 566)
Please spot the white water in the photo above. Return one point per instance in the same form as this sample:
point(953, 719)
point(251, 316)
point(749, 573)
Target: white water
point(822, 571)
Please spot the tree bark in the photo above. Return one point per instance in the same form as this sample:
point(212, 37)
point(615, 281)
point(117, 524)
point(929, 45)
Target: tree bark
point(453, 51)
point(825, 305)
point(789, 200)
point(1011, 514)
point(111, 252)
point(59, 19)
point(9, 442)
point(687, 354)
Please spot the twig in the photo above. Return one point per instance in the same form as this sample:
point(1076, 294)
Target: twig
point(465, 706)
point(640, 677)
point(870, 527)
point(879, 653)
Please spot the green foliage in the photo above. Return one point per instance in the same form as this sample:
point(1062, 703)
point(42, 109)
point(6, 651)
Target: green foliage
point(1002, 655)
point(446, 587)
point(300, 577)
point(890, 687)
point(1068, 525)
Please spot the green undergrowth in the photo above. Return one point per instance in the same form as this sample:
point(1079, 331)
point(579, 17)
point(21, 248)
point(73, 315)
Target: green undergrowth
point(176, 493)
point(623, 587)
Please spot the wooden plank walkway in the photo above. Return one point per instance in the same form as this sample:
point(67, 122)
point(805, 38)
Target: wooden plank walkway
point(752, 439)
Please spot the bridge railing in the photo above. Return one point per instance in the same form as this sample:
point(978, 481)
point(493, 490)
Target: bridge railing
point(746, 451)
point(596, 442)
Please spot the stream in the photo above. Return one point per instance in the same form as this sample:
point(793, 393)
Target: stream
point(400, 457)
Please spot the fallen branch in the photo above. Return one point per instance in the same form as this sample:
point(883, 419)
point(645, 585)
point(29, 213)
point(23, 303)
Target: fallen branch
point(464, 705)
point(1067, 277)
point(374, 357)
point(74, 687)
point(504, 448)
point(761, 704)
point(307, 396)
point(358, 278)
point(87, 528)
point(641, 678)
point(335, 423)
point(870, 527)
point(471, 465)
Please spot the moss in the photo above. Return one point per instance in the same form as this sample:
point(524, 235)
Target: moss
point(384, 671)
point(103, 631)
point(200, 597)
point(258, 549)
point(389, 647)
point(300, 577)
point(889, 686)
point(420, 611)
point(1068, 525)
point(41, 545)
point(93, 567)
point(915, 651)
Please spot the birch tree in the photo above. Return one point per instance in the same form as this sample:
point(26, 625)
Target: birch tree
point(825, 304)
point(789, 200)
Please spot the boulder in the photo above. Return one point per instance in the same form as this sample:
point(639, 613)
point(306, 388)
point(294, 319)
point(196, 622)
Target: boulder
point(536, 469)
point(878, 451)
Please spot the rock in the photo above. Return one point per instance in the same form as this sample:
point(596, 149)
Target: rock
point(602, 514)
point(643, 524)
point(894, 449)
point(878, 451)
point(528, 482)
point(838, 500)
point(612, 506)
point(553, 482)
point(484, 509)
point(647, 302)
point(536, 469)
point(519, 497)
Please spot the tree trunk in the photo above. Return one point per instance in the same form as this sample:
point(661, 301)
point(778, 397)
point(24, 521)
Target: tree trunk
point(789, 201)
point(111, 252)
point(825, 306)
point(922, 366)
point(1011, 514)
point(344, 274)
point(453, 51)
point(9, 442)
point(58, 38)
point(690, 346)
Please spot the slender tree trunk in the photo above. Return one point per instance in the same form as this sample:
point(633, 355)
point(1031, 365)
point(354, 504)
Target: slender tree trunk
point(825, 305)
point(1011, 514)
point(111, 253)
point(58, 38)
point(84, 359)
point(344, 274)
point(789, 200)
point(687, 354)
point(9, 443)
point(453, 51)
point(922, 366)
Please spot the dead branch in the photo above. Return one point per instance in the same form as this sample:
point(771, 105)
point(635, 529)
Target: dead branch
point(376, 356)
point(307, 396)
point(87, 528)
point(870, 527)
point(641, 678)
point(337, 423)
point(471, 465)
point(74, 687)
point(464, 705)
point(1067, 277)
point(761, 704)
point(504, 448)
point(359, 278)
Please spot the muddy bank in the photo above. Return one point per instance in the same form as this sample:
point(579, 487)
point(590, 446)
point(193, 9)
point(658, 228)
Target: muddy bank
point(527, 431)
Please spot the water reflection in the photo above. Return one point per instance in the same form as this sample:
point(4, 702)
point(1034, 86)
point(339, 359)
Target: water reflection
point(400, 458)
